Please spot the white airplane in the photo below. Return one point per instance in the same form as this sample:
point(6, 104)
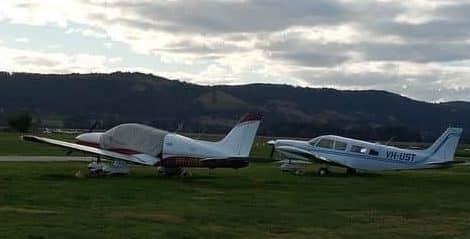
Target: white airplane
point(170, 152)
point(356, 155)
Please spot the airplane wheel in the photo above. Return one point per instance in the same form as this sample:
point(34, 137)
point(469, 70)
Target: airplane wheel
point(299, 172)
point(323, 172)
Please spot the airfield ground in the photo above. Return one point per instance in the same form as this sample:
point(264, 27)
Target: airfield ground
point(48, 200)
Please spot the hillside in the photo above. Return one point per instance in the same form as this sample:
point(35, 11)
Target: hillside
point(76, 100)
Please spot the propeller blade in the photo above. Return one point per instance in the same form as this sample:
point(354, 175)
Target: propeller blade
point(273, 148)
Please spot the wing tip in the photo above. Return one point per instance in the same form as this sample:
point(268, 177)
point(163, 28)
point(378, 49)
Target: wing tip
point(30, 138)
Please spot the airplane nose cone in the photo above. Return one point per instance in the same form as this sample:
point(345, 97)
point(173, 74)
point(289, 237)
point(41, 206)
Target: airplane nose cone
point(89, 137)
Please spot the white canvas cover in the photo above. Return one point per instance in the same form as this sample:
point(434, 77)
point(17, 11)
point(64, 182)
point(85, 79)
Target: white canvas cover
point(137, 137)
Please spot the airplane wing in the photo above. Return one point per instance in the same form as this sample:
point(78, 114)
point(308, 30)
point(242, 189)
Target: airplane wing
point(304, 155)
point(143, 159)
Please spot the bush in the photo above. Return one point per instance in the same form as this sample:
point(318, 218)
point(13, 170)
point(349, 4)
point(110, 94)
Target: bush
point(20, 121)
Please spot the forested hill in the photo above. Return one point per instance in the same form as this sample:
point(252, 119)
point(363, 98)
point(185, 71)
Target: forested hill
point(77, 100)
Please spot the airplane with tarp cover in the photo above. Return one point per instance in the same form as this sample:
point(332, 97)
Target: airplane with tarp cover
point(171, 153)
point(357, 155)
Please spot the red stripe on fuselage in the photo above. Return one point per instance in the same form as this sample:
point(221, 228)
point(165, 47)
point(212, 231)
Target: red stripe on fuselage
point(193, 162)
point(180, 162)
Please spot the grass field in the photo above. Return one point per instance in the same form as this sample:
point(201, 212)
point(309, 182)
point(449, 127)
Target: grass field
point(47, 200)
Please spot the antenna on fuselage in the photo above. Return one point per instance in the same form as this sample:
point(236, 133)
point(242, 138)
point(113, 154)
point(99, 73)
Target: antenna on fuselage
point(390, 141)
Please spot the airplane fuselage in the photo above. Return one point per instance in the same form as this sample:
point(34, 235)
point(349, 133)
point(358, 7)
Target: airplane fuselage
point(178, 151)
point(367, 156)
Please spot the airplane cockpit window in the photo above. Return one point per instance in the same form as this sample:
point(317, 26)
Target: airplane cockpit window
point(373, 152)
point(340, 145)
point(325, 143)
point(358, 149)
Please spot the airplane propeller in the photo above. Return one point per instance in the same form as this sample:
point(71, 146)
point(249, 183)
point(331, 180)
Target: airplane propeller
point(93, 126)
point(273, 148)
point(90, 130)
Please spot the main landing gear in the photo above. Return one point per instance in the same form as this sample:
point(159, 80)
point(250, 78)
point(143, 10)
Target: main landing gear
point(292, 168)
point(117, 167)
point(180, 172)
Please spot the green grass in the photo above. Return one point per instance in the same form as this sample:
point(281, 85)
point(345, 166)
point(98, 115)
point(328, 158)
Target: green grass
point(46, 200)
point(11, 144)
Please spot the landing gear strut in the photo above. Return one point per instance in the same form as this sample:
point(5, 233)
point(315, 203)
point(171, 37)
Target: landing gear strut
point(117, 167)
point(181, 172)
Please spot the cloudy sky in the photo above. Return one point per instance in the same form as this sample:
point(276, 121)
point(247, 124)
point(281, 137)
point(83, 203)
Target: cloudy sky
point(416, 48)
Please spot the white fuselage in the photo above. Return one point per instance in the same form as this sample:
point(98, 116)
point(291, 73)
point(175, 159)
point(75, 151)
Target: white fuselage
point(362, 155)
point(179, 145)
point(173, 145)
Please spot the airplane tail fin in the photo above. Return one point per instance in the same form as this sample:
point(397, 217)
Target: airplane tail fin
point(443, 150)
point(240, 139)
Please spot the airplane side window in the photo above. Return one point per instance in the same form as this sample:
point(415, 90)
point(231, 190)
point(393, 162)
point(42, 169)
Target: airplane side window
point(374, 152)
point(340, 145)
point(325, 143)
point(358, 149)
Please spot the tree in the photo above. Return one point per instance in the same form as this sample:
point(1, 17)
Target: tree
point(21, 121)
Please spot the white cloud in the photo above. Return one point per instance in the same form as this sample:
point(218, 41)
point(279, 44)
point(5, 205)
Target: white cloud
point(411, 47)
point(22, 40)
point(19, 60)
point(86, 32)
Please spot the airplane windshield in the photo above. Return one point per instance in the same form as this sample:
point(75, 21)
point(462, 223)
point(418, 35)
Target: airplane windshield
point(314, 141)
point(325, 143)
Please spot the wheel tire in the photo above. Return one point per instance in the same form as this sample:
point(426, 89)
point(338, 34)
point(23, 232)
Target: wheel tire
point(323, 172)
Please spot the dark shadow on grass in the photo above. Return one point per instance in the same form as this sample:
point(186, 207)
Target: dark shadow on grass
point(72, 177)
point(57, 177)
point(342, 175)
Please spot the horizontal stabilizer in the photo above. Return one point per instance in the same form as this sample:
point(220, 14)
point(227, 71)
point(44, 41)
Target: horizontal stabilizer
point(289, 161)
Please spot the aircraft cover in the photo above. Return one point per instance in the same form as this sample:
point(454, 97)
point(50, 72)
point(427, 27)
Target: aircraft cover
point(135, 137)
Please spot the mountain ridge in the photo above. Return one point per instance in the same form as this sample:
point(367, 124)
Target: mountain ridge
point(75, 100)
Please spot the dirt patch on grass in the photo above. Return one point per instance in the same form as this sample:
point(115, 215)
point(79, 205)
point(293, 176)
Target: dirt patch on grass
point(28, 210)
